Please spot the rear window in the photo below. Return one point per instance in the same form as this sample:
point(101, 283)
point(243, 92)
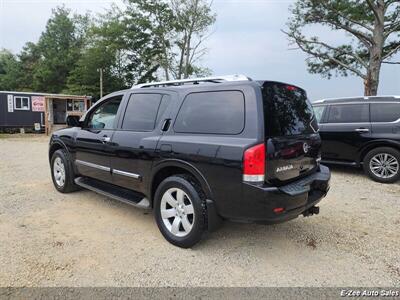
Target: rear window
point(219, 112)
point(385, 112)
point(348, 113)
point(319, 112)
point(287, 110)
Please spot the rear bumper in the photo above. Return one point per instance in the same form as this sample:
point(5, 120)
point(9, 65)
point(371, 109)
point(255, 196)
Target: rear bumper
point(295, 198)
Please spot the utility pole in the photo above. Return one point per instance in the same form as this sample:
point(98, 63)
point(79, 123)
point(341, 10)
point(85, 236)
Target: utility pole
point(101, 82)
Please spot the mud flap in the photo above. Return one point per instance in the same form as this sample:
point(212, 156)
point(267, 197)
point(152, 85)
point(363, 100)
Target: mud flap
point(214, 220)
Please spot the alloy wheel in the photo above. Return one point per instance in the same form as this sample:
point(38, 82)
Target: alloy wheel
point(177, 212)
point(384, 165)
point(59, 171)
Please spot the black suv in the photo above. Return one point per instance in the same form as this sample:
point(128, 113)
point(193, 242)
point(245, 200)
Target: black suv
point(198, 151)
point(362, 131)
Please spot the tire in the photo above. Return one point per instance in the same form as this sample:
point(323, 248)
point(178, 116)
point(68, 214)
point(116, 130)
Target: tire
point(383, 164)
point(62, 173)
point(177, 214)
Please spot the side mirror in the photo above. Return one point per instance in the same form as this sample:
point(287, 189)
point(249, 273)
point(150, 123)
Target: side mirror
point(73, 121)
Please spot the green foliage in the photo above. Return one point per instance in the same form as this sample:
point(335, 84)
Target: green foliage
point(9, 70)
point(147, 40)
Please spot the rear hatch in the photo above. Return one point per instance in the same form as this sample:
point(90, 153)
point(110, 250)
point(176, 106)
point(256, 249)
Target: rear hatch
point(292, 141)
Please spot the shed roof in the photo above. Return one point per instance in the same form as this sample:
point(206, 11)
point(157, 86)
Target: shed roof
point(63, 96)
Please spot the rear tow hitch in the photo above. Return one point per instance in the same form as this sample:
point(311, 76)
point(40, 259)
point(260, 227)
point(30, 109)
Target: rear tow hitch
point(314, 210)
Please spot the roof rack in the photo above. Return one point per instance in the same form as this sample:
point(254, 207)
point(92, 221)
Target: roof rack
point(214, 79)
point(356, 98)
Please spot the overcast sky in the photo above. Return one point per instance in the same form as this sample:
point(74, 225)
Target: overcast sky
point(247, 39)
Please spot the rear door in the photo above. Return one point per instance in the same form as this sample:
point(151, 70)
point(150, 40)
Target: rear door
point(92, 149)
point(134, 143)
point(346, 130)
point(291, 133)
point(385, 119)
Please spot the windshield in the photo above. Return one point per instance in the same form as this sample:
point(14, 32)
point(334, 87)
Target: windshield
point(287, 110)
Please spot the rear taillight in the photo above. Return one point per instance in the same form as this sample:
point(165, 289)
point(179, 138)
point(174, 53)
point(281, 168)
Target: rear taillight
point(254, 164)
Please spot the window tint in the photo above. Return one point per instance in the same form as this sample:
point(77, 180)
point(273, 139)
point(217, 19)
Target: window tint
point(319, 112)
point(103, 117)
point(141, 112)
point(385, 112)
point(348, 113)
point(211, 112)
point(287, 110)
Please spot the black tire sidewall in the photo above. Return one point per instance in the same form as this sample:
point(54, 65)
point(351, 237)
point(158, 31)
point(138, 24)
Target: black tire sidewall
point(199, 224)
point(68, 185)
point(374, 152)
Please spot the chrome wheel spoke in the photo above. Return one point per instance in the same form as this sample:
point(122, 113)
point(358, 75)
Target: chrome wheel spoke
point(180, 196)
point(169, 199)
point(168, 213)
point(186, 224)
point(175, 225)
point(189, 209)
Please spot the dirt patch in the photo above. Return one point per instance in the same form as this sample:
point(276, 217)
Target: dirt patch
point(83, 239)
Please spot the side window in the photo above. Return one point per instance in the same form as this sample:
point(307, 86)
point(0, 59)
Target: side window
point(348, 113)
point(319, 112)
point(141, 112)
point(219, 112)
point(103, 117)
point(385, 112)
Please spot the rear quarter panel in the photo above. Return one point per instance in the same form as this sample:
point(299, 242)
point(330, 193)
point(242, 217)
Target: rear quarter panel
point(218, 157)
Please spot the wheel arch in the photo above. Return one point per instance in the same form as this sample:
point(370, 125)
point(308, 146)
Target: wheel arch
point(171, 167)
point(375, 144)
point(56, 145)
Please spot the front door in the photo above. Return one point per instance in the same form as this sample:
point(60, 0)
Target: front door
point(92, 141)
point(346, 129)
point(134, 144)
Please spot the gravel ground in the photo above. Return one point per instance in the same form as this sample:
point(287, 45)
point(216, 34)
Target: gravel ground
point(84, 239)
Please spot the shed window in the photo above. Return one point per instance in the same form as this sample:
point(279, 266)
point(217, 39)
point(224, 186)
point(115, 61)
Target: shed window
point(21, 103)
point(75, 105)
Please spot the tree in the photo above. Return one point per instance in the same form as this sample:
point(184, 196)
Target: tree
point(9, 70)
point(103, 48)
point(193, 19)
point(372, 25)
point(28, 61)
point(177, 30)
point(59, 47)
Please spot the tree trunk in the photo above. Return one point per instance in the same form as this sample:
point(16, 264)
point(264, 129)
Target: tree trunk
point(371, 82)
point(182, 55)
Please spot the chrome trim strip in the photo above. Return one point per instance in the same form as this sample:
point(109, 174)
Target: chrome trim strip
point(123, 173)
point(350, 103)
point(357, 97)
point(92, 165)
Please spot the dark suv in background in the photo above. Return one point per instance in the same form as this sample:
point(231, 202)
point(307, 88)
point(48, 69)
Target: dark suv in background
point(198, 151)
point(362, 131)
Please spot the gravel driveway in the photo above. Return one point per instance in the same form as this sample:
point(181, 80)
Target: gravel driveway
point(84, 239)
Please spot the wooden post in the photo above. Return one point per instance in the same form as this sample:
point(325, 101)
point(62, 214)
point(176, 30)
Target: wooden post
point(46, 117)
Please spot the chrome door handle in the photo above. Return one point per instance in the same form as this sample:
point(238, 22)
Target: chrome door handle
point(106, 139)
point(362, 130)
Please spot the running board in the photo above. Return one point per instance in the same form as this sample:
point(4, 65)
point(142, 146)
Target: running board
point(115, 192)
point(343, 163)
